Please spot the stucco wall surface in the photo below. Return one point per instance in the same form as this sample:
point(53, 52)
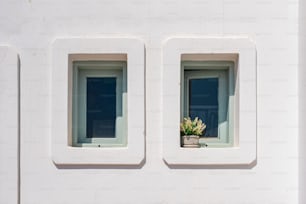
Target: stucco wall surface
point(32, 25)
point(9, 125)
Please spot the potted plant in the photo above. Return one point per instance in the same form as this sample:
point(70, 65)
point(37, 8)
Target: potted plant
point(191, 130)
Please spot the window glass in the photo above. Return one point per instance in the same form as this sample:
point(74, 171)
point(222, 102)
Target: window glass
point(101, 107)
point(203, 103)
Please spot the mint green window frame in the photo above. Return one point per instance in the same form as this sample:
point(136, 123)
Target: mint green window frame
point(224, 71)
point(86, 69)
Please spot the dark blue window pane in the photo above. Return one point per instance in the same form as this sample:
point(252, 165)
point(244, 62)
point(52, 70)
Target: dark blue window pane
point(203, 103)
point(101, 107)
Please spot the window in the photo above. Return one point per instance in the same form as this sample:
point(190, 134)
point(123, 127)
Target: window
point(208, 93)
point(99, 103)
point(213, 78)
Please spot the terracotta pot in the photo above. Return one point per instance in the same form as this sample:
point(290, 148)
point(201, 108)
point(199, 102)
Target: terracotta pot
point(191, 141)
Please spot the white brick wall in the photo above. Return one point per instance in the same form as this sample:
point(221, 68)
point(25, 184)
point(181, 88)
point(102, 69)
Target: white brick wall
point(302, 101)
point(31, 25)
point(9, 125)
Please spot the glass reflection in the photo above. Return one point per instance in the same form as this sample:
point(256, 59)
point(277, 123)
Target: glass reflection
point(203, 103)
point(101, 107)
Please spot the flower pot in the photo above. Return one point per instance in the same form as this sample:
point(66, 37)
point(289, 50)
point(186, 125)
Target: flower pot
point(191, 141)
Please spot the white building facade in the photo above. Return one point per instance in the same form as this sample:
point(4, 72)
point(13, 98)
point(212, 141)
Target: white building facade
point(40, 43)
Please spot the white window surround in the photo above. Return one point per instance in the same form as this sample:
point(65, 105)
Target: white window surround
point(243, 52)
point(64, 52)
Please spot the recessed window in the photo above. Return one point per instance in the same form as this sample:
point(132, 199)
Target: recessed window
point(207, 93)
point(99, 103)
point(213, 78)
point(98, 94)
